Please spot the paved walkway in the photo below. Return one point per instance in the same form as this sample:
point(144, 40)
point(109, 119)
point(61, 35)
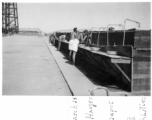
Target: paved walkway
point(30, 69)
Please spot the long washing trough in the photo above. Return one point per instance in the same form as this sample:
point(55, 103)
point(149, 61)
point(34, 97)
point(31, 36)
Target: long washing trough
point(118, 57)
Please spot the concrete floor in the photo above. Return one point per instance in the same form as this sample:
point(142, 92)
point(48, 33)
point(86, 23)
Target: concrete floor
point(30, 69)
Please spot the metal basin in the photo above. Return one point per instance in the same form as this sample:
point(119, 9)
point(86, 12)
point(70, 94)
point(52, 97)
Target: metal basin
point(81, 45)
point(94, 48)
point(112, 52)
point(87, 48)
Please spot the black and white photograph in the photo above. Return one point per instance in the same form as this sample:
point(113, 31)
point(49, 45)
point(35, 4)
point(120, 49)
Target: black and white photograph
point(70, 49)
point(76, 49)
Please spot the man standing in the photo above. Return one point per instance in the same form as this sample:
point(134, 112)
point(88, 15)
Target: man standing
point(53, 37)
point(73, 37)
point(76, 38)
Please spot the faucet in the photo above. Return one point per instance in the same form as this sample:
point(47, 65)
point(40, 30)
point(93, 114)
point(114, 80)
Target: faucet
point(124, 28)
point(108, 30)
point(91, 32)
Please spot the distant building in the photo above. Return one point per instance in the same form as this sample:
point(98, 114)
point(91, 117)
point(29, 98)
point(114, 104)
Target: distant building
point(30, 31)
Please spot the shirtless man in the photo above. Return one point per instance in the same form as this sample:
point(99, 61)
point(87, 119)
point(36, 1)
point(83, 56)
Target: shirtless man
point(51, 38)
point(77, 38)
point(82, 36)
point(54, 38)
point(61, 38)
point(72, 44)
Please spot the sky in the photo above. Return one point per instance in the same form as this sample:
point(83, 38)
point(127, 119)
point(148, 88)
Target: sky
point(64, 16)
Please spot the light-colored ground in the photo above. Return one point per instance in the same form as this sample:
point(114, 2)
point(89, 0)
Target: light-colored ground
point(30, 69)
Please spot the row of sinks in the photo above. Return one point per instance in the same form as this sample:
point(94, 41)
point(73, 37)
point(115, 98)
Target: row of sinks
point(96, 49)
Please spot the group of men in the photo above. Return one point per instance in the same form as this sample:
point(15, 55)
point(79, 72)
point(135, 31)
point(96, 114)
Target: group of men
point(76, 39)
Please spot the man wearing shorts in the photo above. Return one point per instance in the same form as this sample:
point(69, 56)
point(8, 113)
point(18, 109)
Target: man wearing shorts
point(76, 37)
point(54, 38)
point(72, 43)
point(51, 39)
